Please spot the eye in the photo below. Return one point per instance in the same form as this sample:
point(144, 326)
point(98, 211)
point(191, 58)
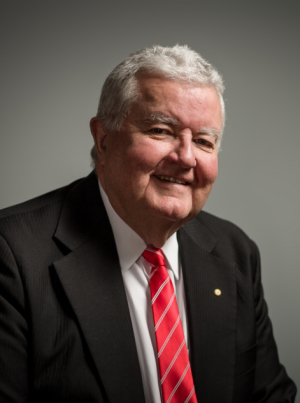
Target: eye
point(205, 143)
point(157, 130)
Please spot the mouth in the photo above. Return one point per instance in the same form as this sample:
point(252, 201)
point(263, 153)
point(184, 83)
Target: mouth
point(170, 179)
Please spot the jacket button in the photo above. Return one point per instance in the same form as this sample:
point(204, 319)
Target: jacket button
point(217, 292)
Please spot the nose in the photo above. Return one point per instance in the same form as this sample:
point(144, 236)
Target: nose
point(183, 153)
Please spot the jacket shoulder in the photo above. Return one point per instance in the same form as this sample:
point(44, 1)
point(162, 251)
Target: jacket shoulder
point(221, 228)
point(231, 242)
point(33, 217)
point(36, 203)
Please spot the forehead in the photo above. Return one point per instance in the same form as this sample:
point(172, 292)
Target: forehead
point(156, 88)
point(184, 102)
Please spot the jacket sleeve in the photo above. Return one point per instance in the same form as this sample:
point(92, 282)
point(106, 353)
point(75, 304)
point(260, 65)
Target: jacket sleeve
point(14, 378)
point(272, 384)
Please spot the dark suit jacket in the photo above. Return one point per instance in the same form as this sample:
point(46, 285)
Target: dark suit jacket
point(66, 333)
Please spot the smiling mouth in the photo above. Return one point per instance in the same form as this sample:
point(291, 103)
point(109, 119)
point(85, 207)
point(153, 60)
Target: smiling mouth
point(170, 179)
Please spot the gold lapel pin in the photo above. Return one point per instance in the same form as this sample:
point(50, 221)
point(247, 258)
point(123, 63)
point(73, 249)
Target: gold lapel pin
point(217, 292)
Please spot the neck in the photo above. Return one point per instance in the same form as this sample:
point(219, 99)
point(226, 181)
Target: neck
point(154, 232)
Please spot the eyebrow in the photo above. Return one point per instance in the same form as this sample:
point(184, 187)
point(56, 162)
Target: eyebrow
point(161, 118)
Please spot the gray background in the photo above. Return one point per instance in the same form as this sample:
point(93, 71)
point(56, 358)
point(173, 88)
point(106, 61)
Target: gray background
point(55, 56)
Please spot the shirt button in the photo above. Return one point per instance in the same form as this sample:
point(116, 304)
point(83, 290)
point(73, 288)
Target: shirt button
point(217, 292)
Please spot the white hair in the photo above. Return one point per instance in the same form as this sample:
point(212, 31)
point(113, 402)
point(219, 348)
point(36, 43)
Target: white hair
point(178, 63)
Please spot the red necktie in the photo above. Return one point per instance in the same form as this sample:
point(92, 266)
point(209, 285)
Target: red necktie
point(176, 378)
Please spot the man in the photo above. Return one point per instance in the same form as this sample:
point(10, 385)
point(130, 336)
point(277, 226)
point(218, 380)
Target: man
point(118, 288)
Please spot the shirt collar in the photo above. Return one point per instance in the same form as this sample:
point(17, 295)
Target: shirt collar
point(130, 245)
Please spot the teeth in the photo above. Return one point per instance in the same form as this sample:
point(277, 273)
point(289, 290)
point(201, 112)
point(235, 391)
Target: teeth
point(168, 178)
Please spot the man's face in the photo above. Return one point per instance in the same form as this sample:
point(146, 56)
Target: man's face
point(163, 163)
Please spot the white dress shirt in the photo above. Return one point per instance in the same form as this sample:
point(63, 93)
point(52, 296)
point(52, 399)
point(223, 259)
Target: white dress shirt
point(135, 271)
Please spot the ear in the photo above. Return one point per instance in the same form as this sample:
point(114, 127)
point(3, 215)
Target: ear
point(99, 136)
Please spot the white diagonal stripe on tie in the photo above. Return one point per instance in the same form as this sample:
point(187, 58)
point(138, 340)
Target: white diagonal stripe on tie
point(159, 290)
point(169, 336)
point(172, 362)
point(154, 271)
point(178, 383)
point(165, 312)
point(155, 252)
point(190, 395)
point(158, 253)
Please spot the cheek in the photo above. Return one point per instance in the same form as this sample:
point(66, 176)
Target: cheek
point(207, 169)
point(147, 155)
point(129, 168)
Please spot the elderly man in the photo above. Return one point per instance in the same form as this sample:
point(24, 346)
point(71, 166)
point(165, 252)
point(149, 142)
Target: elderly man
point(118, 287)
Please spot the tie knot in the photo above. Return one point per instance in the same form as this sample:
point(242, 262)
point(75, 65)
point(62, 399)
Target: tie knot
point(154, 256)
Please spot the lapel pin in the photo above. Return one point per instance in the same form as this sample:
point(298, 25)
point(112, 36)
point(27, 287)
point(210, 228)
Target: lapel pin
point(217, 292)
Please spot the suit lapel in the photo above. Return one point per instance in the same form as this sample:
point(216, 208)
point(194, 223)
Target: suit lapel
point(212, 318)
point(91, 277)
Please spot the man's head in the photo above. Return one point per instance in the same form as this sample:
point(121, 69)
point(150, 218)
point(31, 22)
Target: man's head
point(157, 134)
point(178, 63)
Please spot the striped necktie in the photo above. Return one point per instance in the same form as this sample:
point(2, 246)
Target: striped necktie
point(176, 378)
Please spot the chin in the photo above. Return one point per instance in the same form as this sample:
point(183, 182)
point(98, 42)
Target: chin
point(171, 211)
